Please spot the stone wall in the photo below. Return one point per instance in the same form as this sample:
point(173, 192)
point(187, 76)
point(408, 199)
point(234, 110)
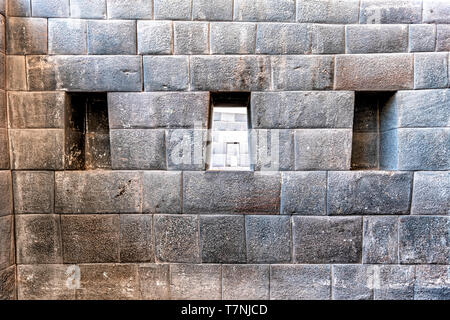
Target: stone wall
point(340, 84)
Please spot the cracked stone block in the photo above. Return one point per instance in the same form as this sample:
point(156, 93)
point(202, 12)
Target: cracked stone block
point(33, 192)
point(154, 37)
point(172, 10)
point(166, 73)
point(6, 193)
point(430, 70)
point(19, 8)
point(191, 37)
point(422, 37)
point(16, 78)
point(195, 282)
point(432, 282)
point(380, 242)
point(154, 281)
point(264, 10)
point(136, 238)
point(26, 36)
point(67, 36)
point(436, 11)
point(328, 11)
point(431, 193)
point(327, 38)
point(245, 282)
point(111, 37)
point(232, 37)
point(212, 10)
point(376, 38)
point(391, 11)
point(131, 9)
point(162, 192)
point(283, 38)
point(88, 9)
point(8, 283)
point(186, 149)
point(7, 252)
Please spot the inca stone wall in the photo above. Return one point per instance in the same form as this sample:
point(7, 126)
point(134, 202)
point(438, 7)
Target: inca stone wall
point(355, 205)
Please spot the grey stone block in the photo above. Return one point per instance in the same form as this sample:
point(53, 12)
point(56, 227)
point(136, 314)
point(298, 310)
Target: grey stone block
point(352, 282)
point(15, 73)
point(328, 11)
point(442, 37)
point(191, 37)
point(7, 251)
point(432, 283)
point(158, 110)
point(26, 35)
point(195, 282)
point(380, 243)
point(162, 192)
point(232, 37)
point(38, 239)
point(130, 9)
point(422, 37)
point(327, 239)
point(50, 8)
point(273, 149)
point(177, 238)
point(186, 149)
point(136, 238)
point(327, 38)
point(141, 149)
point(268, 239)
point(283, 38)
point(88, 9)
point(36, 109)
point(376, 38)
point(6, 193)
point(154, 37)
point(222, 239)
point(436, 11)
point(212, 10)
point(230, 73)
point(391, 11)
point(300, 282)
point(67, 36)
point(37, 149)
point(323, 149)
point(424, 240)
point(154, 281)
point(430, 70)
point(231, 192)
point(365, 150)
point(8, 283)
point(4, 149)
point(33, 192)
point(80, 73)
point(173, 10)
point(111, 37)
point(264, 10)
point(19, 8)
point(431, 193)
point(306, 109)
point(396, 282)
point(166, 73)
point(98, 192)
point(245, 282)
point(304, 193)
point(368, 192)
point(90, 238)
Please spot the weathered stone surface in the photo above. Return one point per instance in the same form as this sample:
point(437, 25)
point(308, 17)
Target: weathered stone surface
point(84, 73)
point(67, 36)
point(304, 193)
point(232, 37)
point(245, 282)
point(90, 238)
point(431, 193)
point(110, 282)
point(422, 37)
point(33, 191)
point(430, 70)
point(230, 73)
point(88, 9)
point(352, 282)
point(97, 192)
point(306, 109)
point(136, 238)
point(391, 11)
point(162, 192)
point(368, 192)
point(19, 8)
point(327, 239)
point(268, 239)
point(328, 11)
point(264, 10)
point(327, 38)
point(231, 192)
point(168, 73)
point(4, 149)
point(111, 37)
point(267, 142)
point(173, 10)
point(15, 73)
point(134, 9)
point(7, 252)
point(26, 35)
point(50, 8)
point(158, 110)
point(195, 282)
point(36, 109)
point(376, 38)
point(374, 72)
point(380, 243)
point(191, 37)
point(154, 281)
point(186, 149)
point(396, 282)
point(2, 34)
point(212, 10)
point(432, 283)
point(176, 238)
point(282, 38)
point(138, 149)
point(154, 37)
point(6, 200)
point(443, 37)
point(323, 149)
point(4, 69)
point(424, 240)
point(3, 110)
point(300, 282)
point(365, 150)
point(436, 11)
point(8, 283)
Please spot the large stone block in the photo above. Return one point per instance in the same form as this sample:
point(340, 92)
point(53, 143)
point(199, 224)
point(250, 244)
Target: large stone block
point(38, 239)
point(431, 193)
point(369, 192)
point(424, 240)
point(191, 37)
point(8, 283)
point(67, 36)
point(268, 239)
point(136, 238)
point(327, 38)
point(283, 38)
point(374, 72)
point(264, 10)
point(173, 10)
point(166, 73)
point(154, 37)
point(7, 251)
point(443, 37)
point(376, 38)
point(154, 281)
point(162, 192)
point(300, 282)
point(98, 192)
point(245, 282)
point(6, 200)
point(26, 35)
point(4, 149)
point(422, 37)
point(436, 11)
point(212, 10)
point(16, 78)
point(186, 149)
point(232, 37)
point(33, 191)
point(84, 73)
point(380, 242)
point(391, 11)
point(195, 282)
point(177, 238)
point(111, 37)
point(432, 283)
point(19, 8)
point(231, 192)
point(323, 149)
point(328, 11)
point(273, 149)
point(230, 73)
point(90, 238)
point(36, 109)
point(50, 8)
point(88, 9)
point(431, 70)
point(130, 9)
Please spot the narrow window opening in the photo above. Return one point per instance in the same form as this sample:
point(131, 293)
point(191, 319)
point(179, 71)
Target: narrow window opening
point(229, 131)
point(87, 142)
